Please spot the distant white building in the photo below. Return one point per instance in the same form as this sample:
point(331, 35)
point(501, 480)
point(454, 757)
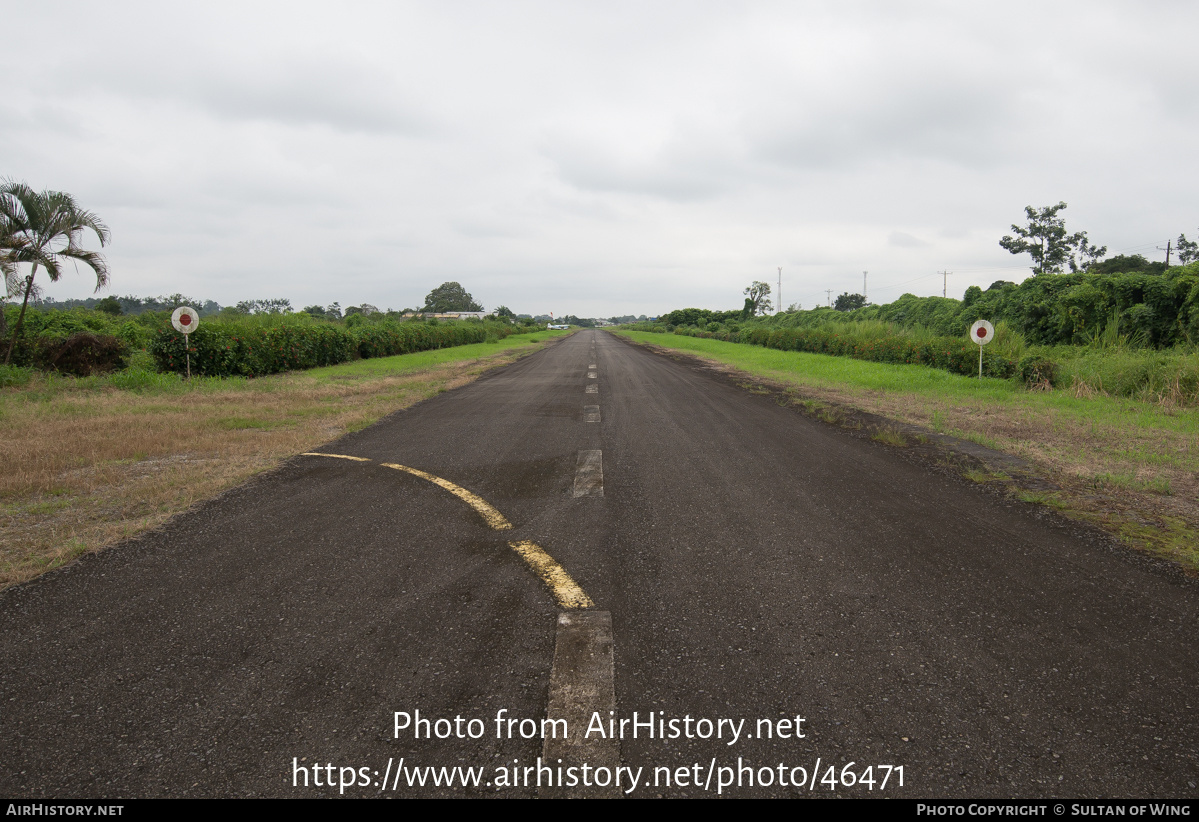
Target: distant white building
point(450, 315)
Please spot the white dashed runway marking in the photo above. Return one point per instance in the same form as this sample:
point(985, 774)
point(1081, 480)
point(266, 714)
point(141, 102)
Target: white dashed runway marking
point(589, 474)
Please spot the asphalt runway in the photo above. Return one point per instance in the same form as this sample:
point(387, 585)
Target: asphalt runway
point(850, 608)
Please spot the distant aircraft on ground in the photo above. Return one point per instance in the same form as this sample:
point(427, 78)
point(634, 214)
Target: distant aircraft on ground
point(553, 327)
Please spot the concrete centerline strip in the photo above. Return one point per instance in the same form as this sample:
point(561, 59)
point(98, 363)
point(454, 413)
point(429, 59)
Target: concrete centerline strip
point(591, 389)
point(591, 413)
point(589, 474)
point(336, 456)
point(565, 590)
point(592, 366)
point(489, 514)
point(591, 375)
point(582, 682)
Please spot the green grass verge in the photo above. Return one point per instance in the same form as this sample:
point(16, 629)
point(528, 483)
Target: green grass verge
point(402, 363)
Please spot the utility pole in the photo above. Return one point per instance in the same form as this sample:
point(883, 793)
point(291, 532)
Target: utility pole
point(829, 291)
point(780, 294)
point(1167, 249)
point(864, 273)
point(945, 282)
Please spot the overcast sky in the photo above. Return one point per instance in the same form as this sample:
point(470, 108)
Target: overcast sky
point(597, 158)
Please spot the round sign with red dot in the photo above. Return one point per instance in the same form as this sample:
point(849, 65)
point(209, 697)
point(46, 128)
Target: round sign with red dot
point(982, 332)
point(185, 319)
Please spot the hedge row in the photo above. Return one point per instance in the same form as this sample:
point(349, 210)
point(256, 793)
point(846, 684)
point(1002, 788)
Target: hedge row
point(235, 349)
point(954, 355)
point(82, 353)
point(41, 325)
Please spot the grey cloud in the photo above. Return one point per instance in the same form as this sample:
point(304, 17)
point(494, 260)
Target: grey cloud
point(478, 229)
point(904, 240)
point(342, 97)
point(671, 152)
point(865, 119)
point(335, 92)
point(681, 169)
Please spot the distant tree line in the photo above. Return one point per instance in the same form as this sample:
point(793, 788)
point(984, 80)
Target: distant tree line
point(1147, 303)
point(131, 306)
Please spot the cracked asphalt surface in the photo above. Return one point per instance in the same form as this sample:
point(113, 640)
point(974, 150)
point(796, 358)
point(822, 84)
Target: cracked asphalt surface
point(757, 564)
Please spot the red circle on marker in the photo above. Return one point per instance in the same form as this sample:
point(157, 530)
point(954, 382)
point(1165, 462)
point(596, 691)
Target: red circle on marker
point(981, 332)
point(185, 319)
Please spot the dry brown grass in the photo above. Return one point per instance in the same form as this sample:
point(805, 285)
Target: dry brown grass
point(86, 468)
point(1065, 447)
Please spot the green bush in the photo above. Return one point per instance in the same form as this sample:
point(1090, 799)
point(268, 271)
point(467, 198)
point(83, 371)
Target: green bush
point(252, 348)
point(955, 354)
point(82, 354)
point(69, 350)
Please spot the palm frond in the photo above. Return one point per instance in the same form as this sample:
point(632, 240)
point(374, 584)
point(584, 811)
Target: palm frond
point(33, 223)
point(90, 258)
point(86, 219)
point(15, 285)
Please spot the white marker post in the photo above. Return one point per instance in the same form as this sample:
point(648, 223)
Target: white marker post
point(982, 332)
point(186, 320)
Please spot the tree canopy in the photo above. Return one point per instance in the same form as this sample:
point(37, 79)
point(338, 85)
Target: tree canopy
point(449, 297)
point(44, 229)
point(757, 298)
point(1045, 240)
point(848, 302)
point(1188, 250)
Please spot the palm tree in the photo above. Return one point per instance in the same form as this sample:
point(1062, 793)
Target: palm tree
point(13, 281)
point(44, 230)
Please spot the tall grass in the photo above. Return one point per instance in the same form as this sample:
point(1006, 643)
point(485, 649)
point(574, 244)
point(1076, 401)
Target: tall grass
point(1170, 377)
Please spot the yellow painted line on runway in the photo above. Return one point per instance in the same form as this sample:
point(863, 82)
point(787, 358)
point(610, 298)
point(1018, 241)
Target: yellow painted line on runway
point(489, 514)
point(336, 456)
point(565, 590)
